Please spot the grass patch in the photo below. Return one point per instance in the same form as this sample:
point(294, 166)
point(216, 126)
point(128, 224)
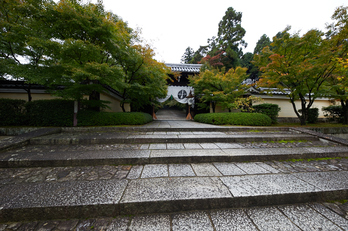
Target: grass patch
point(285, 141)
point(339, 201)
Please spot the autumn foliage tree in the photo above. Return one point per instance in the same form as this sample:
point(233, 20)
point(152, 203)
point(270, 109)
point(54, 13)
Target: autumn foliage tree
point(299, 66)
point(338, 34)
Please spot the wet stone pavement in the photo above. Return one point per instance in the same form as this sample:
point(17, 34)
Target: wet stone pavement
point(106, 172)
point(310, 216)
point(110, 147)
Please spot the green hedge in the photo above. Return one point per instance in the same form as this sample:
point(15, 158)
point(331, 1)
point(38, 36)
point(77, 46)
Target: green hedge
point(268, 109)
point(55, 112)
point(241, 118)
point(92, 118)
point(313, 114)
point(333, 112)
point(12, 112)
point(60, 113)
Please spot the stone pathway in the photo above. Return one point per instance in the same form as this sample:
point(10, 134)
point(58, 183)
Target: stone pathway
point(309, 216)
point(173, 174)
point(10, 176)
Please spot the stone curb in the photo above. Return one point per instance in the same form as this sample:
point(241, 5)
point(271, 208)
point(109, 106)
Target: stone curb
point(24, 139)
point(322, 135)
point(164, 195)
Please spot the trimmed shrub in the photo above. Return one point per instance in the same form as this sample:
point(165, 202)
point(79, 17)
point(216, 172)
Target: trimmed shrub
point(241, 118)
point(268, 109)
point(313, 114)
point(93, 118)
point(54, 112)
point(333, 113)
point(12, 112)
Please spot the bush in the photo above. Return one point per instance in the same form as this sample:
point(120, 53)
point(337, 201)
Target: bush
point(334, 113)
point(12, 112)
point(55, 112)
point(241, 118)
point(268, 109)
point(313, 114)
point(93, 118)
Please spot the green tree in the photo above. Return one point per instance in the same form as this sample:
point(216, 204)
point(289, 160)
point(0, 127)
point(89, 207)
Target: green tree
point(297, 66)
point(88, 43)
point(338, 34)
point(230, 38)
point(188, 55)
point(263, 42)
point(219, 87)
point(199, 54)
point(24, 39)
point(253, 71)
point(144, 79)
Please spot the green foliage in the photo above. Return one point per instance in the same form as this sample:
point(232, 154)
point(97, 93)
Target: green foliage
point(299, 66)
point(220, 87)
point(55, 112)
point(245, 119)
point(263, 42)
point(188, 55)
point(313, 114)
point(12, 112)
point(93, 118)
point(333, 112)
point(78, 45)
point(268, 109)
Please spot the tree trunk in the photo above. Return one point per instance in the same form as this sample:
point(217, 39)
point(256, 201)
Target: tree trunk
point(95, 96)
point(29, 92)
point(345, 111)
point(122, 106)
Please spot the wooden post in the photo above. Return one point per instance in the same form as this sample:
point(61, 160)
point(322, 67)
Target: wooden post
point(189, 116)
point(153, 113)
point(75, 113)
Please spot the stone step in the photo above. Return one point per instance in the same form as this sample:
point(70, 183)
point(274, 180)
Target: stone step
point(165, 137)
point(113, 197)
point(180, 128)
point(36, 156)
point(309, 216)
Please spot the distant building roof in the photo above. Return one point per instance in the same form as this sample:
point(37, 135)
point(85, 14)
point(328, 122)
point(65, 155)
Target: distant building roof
point(194, 68)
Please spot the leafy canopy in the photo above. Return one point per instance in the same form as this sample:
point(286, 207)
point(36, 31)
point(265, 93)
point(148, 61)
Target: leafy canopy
point(220, 87)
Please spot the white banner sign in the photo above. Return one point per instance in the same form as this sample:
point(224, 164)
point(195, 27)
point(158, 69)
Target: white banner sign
point(179, 93)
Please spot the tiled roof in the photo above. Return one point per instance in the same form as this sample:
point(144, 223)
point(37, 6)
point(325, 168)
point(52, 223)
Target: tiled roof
point(195, 68)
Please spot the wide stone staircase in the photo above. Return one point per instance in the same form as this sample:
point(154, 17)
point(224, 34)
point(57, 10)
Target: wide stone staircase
point(173, 175)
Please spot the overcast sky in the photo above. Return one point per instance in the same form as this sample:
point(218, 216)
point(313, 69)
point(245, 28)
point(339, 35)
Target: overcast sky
point(171, 26)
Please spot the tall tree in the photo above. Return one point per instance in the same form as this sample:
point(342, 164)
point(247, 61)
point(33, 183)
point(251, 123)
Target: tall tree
point(263, 42)
point(230, 37)
point(253, 71)
point(188, 55)
point(199, 54)
point(297, 66)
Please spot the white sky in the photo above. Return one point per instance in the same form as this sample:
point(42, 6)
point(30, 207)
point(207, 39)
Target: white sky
point(171, 26)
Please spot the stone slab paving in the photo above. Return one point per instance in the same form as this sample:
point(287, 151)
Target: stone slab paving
point(169, 137)
point(62, 192)
point(309, 216)
point(54, 158)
